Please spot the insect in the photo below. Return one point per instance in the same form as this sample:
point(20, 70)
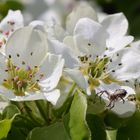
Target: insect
point(118, 94)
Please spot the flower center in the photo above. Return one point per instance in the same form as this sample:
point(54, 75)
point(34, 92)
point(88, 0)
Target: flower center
point(95, 69)
point(20, 80)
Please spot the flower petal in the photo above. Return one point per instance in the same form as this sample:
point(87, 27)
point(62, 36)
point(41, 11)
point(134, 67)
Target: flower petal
point(27, 45)
point(130, 65)
point(79, 79)
point(6, 93)
point(124, 110)
point(116, 44)
point(90, 37)
point(51, 69)
point(38, 24)
point(82, 10)
point(59, 48)
point(116, 25)
point(30, 97)
point(52, 96)
point(3, 74)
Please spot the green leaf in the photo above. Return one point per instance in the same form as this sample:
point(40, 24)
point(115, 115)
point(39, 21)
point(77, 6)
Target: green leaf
point(8, 115)
point(113, 121)
point(77, 123)
point(5, 126)
point(131, 130)
point(16, 134)
point(52, 132)
point(10, 111)
point(121, 135)
point(111, 134)
point(97, 127)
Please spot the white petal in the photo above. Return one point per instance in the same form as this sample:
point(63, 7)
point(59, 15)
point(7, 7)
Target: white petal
point(59, 48)
point(135, 45)
point(115, 44)
point(90, 37)
point(130, 65)
point(51, 17)
point(52, 96)
point(124, 110)
point(6, 93)
point(30, 44)
point(38, 24)
point(51, 68)
point(16, 19)
point(116, 25)
point(3, 40)
point(3, 74)
point(30, 97)
point(79, 79)
point(69, 41)
point(62, 99)
point(82, 10)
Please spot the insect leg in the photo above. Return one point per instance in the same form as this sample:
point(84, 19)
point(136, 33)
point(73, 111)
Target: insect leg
point(122, 100)
point(109, 105)
point(112, 105)
point(100, 94)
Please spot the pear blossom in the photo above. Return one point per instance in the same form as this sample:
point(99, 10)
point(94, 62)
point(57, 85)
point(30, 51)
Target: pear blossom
point(12, 22)
point(93, 42)
point(123, 108)
point(85, 54)
point(28, 71)
point(116, 25)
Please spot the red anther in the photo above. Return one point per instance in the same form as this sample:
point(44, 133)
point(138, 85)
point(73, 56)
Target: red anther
point(7, 33)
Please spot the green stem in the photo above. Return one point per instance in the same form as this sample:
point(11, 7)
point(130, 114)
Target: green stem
point(72, 89)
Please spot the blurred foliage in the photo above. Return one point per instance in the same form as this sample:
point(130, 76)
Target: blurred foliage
point(131, 8)
point(5, 5)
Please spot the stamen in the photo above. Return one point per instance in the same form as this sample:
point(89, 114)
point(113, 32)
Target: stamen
point(23, 63)
point(10, 56)
point(31, 53)
point(18, 55)
point(113, 70)
point(117, 54)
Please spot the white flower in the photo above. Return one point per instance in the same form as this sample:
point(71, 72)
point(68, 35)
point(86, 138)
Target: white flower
point(85, 52)
point(90, 40)
point(89, 45)
point(116, 25)
point(12, 22)
point(27, 71)
point(122, 107)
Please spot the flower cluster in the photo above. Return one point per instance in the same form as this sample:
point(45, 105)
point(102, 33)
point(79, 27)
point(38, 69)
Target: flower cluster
point(97, 58)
